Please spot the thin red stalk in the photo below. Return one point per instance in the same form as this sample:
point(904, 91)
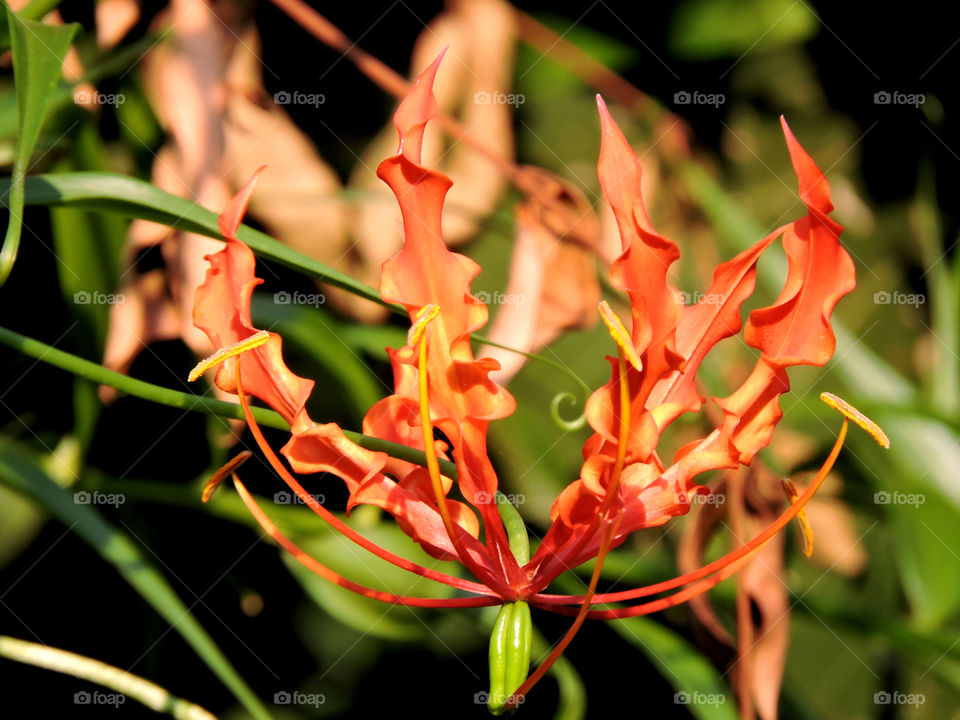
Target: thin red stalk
point(738, 518)
point(601, 78)
point(327, 574)
point(724, 567)
point(338, 524)
point(388, 79)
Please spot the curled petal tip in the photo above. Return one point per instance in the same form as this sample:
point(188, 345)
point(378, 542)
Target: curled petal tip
point(415, 110)
point(814, 189)
point(849, 411)
point(232, 215)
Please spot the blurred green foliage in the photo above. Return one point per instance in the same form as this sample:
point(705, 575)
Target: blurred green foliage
point(889, 629)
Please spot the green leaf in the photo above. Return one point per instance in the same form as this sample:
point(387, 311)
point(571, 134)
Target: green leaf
point(21, 472)
point(943, 386)
point(20, 521)
point(710, 29)
point(33, 11)
point(697, 682)
point(318, 333)
point(38, 53)
point(365, 615)
point(919, 494)
point(572, 704)
point(135, 198)
point(198, 403)
point(88, 247)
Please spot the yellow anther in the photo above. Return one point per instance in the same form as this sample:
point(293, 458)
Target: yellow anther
point(842, 406)
point(791, 491)
point(420, 321)
point(620, 335)
point(222, 354)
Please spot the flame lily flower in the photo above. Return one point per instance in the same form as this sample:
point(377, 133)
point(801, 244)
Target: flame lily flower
point(624, 485)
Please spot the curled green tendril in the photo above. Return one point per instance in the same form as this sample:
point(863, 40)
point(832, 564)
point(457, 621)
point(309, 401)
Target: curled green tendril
point(569, 425)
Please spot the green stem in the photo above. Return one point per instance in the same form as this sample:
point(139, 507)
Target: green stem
point(186, 401)
point(552, 363)
point(153, 696)
point(515, 528)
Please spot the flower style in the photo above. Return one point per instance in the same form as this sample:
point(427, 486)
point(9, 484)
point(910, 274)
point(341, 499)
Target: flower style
point(439, 385)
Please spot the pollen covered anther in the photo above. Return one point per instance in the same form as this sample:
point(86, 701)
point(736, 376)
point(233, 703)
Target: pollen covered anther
point(424, 317)
point(848, 410)
point(249, 343)
point(620, 335)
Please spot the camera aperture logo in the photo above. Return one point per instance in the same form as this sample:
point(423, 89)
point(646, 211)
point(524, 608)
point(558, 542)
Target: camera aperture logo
point(483, 498)
point(695, 97)
point(882, 297)
point(499, 298)
point(285, 497)
point(285, 97)
point(699, 698)
point(86, 97)
point(299, 298)
point(717, 499)
point(899, 498)
point(499, 98)
point(97, 697)
point(83, 497)
point(895, 97)
point(483, 698)
point(696, 298)
point(898, 698)
point(84, 297)
point(296, 697)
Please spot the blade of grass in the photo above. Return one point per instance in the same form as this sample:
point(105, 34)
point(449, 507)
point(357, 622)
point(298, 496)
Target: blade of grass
point(22, 472)
point(38, 53)
point(173, 398)
point(150, 694)
point(118, 193)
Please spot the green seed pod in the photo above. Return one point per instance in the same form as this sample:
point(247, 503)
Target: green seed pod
point(510, 646)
